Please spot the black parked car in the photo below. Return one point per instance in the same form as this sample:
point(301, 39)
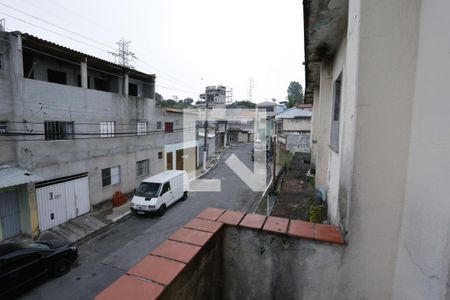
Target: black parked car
point(22, 262)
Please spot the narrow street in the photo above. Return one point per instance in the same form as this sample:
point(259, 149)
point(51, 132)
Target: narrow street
point(106, 256)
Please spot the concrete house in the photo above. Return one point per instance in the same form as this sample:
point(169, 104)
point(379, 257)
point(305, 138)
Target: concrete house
point(82, 127)
point(377, 73)
point(293, 129)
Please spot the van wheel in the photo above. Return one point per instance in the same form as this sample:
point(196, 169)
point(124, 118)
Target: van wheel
point(184, 196)
point(162, 210)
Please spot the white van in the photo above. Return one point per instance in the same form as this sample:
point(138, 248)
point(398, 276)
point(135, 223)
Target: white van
point(157, 193)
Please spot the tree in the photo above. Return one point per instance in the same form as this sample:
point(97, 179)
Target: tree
point(295, 94)
point(158, 97)
point(242, 104)
point(188, 101)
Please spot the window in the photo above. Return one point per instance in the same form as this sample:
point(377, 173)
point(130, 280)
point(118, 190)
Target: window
point(101, 84)
point(1, 61)
point(168, 127)
point(3, 127)
point(111, 176)
point(56, 130)
point(142, 167)
point(141, 128)
point(334, 140)
point(166, 188)
point(56, 76)
point(160, 155)
point(158, 125)
point(107, 129)
point(132, 89)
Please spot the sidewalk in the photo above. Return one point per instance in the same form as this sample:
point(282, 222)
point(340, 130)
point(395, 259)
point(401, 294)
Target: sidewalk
point(83, 227)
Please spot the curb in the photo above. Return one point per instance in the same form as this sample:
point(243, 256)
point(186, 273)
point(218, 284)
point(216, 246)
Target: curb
point(121, 216)
point(117, 221)
point(214, 165)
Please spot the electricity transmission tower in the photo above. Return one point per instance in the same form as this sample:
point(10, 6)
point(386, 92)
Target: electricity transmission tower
point(124, 56)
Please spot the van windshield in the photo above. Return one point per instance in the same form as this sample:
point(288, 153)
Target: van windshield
point(148, 189)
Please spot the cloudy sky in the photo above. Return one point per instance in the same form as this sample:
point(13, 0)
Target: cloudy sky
point(187, 44)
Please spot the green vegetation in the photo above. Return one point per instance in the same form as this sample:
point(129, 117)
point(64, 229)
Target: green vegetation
point(242, 104)
point(170, 103)
point(295, 94)
point(317, 211)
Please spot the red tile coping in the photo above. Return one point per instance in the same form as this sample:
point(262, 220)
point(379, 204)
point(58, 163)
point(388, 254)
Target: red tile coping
point(328, 233)
point(231, 217)
point(301, 229)
point(177, 251)
point(211, 213)
point(253, 221)
point(161, 270)
point(204, 225)
point(129, 287)
point(148, 278)
point(191, 236)
point(275, 224)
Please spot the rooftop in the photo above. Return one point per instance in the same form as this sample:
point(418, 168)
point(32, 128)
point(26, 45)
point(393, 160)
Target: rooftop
point(36, 44)
point(294, 113)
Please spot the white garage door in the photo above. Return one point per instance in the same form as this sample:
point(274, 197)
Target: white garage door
point(61, 201)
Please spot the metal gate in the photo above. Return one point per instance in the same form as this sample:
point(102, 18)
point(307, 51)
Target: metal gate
point(10, 214)
point(62, 201)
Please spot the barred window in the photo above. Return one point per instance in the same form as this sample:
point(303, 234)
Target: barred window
point(56, 130)
point(158, 125)
point(141, 128)
point(107, 129)
point(142, 167)
point(111, 176)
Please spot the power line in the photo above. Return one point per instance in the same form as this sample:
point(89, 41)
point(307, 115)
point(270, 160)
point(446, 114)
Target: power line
point(55, 25)
point(80, 35)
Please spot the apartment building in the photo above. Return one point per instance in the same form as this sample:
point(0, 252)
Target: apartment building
point(82, 127)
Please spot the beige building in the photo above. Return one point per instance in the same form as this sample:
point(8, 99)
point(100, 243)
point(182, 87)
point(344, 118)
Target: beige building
point(377, 73)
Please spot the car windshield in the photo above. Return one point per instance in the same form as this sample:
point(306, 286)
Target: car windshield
point(148, 189)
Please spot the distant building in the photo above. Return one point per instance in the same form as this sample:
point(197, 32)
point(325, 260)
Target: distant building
point(293, 128)
point(215, 96)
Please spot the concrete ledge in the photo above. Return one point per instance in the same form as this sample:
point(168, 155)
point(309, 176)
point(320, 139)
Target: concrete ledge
point(191, 248)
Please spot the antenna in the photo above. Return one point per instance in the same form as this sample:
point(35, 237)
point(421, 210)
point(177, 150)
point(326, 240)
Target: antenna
point(250, 89)
point(123, 56)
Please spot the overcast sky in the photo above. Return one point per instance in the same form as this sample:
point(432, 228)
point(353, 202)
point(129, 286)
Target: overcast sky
point(187, 44)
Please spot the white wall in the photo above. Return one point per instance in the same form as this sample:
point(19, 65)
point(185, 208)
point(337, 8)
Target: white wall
point(383, 83)
point(303, 124)
point(423, 256)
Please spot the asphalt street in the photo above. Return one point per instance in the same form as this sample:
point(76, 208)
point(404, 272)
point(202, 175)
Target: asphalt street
point(108, 255)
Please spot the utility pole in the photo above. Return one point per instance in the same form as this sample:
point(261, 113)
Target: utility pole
point(205, 142)
point(225, 136)
point(274, 159)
